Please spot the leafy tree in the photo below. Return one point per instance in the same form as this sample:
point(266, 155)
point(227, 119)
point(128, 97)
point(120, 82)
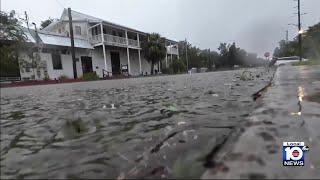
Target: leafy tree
point(208, 58)
point(11, 37)
point(286, 48)
point(196, 57)
point(46, 23)
point(10, 27)
point(154, 49)
point(224, 51)
point(310, 44)
point(231, 55)
point(178, 66)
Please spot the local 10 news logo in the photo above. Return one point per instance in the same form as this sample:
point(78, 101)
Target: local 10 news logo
point(293, 153)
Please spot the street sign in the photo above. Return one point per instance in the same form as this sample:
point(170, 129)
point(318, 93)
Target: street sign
point(267, 54)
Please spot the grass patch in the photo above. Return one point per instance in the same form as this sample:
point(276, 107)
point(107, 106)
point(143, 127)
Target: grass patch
point(92, 76)
point(307, 63)
point(63, 77)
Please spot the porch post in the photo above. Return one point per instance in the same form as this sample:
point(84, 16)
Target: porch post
point(166, 55)
point(166, 60)
point(104, 57)
point(128, 55)
point(139, 53)
point(103, 48)
point(178, 50)
point(171, 52)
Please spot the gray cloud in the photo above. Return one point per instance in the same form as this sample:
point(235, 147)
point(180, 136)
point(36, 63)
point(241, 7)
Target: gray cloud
point(256, 25)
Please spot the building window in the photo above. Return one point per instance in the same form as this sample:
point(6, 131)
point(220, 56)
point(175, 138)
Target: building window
point(59, 30)
point(65, 51)
point(78, 30)
point(56, 61)
point(27, 69)
point(45, 50)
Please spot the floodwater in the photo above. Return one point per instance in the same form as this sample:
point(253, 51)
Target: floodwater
point(162, 127)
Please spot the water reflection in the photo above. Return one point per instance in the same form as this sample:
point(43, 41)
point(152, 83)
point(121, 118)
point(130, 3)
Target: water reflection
point(301, 94)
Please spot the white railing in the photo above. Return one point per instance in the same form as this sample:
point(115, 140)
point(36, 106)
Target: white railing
point(96, 39)
point(133, 43)
point(114, 40)
point(172, 50)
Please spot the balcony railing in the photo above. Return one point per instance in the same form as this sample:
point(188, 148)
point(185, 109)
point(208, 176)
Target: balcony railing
point(133, 43)
point(172, 50)
point(114, 40)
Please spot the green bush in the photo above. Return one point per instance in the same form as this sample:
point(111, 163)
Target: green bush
point(308, 62)
point(63, 77)
point(178, 66)
point(46, 78)
point(168, 70)
point(91, 76)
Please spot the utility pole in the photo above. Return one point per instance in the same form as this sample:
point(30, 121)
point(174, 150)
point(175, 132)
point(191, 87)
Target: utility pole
point(27, 20)
point(72, 45)
point(187, 55)
point(34, 65)
point(287, 35)
point(209, 59)
point(300, 32)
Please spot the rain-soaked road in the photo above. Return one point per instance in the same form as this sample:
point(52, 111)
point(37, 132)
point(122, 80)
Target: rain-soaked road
point(166, 126)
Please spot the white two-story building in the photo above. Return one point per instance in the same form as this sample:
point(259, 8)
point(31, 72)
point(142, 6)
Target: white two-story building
point(100, 46)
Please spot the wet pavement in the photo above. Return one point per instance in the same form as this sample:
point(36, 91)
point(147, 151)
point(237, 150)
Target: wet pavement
point(155, 127)
point(289, 112)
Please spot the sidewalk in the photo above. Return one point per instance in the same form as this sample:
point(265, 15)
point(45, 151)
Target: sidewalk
point(257, 151)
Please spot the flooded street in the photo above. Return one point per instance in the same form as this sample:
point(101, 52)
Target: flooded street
point(165, 126)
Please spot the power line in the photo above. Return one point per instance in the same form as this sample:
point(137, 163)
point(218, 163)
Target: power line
point(61, 5)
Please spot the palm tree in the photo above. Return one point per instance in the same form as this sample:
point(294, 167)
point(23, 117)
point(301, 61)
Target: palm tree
point(154, 49)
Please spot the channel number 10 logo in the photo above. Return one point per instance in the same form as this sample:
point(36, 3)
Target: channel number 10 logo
point(293, 153)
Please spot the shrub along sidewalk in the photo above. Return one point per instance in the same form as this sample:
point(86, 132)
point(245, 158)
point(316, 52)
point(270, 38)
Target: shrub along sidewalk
point(309, 62)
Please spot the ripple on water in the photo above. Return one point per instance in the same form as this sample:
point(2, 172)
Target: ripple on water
point(71, 130)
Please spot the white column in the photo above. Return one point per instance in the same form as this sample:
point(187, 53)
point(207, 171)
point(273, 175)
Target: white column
point(178, 50)
point(139, 53)
point(87, 30)
point(166, 55)
point(103, 48)
point(128, 55)
point(171, 52)
point(102, 35)
point(159, 67)
point(104, 57)
point(166, 60)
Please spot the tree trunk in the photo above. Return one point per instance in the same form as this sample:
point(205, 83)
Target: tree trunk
point(152, 67)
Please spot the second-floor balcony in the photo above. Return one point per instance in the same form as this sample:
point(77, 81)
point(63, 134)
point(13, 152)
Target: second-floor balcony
point(172, 50)
point(114, 41)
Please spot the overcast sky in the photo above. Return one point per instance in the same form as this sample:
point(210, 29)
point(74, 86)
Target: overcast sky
point(255, 25)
